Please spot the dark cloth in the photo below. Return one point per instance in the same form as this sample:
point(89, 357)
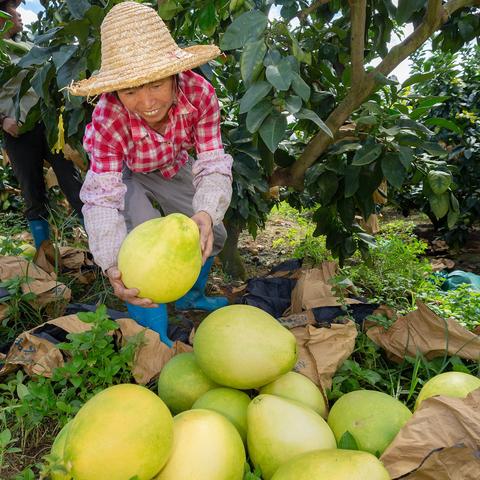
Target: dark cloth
point(325, 316)
point(27, 154)
point(273, 295)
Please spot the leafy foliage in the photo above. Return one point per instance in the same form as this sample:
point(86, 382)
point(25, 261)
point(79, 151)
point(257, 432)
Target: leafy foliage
point(453, 113)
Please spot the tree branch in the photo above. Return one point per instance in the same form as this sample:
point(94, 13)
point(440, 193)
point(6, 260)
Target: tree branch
point(358, 12)
point(303, 14)
point(436, 15)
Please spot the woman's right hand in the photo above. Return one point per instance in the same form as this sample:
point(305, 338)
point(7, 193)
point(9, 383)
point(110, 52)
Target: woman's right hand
point(10, 126)
point(129, 295)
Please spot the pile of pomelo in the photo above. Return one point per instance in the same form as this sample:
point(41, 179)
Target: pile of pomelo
point(233, 399)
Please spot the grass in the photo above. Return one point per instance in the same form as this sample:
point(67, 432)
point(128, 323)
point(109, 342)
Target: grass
point(32, 410)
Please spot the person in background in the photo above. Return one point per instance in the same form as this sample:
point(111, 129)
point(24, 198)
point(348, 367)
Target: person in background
point(27, 151)
point(153, 109)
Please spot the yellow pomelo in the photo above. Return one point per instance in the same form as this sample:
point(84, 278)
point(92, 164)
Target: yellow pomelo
point(56, 454)
point(181, 382)
point(122, 432)
point(296, 386)
point(161, 257)
point(28, 250)
point(449, 384)
point(206, 446)
point(279, 429)
point(231, 403)
point(243, 347)
point(372, 418)
point(333, 465)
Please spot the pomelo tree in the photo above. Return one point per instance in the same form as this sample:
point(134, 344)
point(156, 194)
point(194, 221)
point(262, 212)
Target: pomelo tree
point(307, 99)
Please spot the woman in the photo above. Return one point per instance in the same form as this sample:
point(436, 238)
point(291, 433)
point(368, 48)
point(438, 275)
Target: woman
point(153, 109)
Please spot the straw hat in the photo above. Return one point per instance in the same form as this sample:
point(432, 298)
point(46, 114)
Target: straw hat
point(137, 48)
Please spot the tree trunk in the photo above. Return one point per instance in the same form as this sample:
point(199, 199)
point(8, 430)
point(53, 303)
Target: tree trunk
point(230, 257)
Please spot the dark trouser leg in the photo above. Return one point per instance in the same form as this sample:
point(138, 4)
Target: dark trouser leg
point(68, 177)
point(26, 157)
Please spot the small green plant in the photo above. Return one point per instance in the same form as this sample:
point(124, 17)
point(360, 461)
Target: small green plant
point(94, 363)
point(394, 272)
point(462, 304)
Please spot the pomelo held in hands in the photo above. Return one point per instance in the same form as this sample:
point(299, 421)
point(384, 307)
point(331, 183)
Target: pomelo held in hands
point(161, 257)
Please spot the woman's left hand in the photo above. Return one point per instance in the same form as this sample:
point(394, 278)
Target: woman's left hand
point(204, 222)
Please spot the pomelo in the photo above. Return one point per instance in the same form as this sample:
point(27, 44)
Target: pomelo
point(206, 446)
point(279, 429)
point(28, 251)
point(161, 257)
point(333, 465)
point(296, 386)
point(181, 382)
point(56, 454)
point(229, 402)
point(372, 418)
point(449, 384)
point(243, 347)
point(122, 432)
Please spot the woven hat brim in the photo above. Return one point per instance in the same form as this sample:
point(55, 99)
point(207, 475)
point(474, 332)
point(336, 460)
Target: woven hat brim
point(111, 81)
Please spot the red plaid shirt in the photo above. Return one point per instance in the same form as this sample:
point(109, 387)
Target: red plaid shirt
point(116, 136)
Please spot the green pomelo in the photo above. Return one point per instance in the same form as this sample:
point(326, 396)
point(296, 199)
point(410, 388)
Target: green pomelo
point(161, 257)
point(279, 429)
point(449, 384)
point(231, 403)
point(333, 465)
point(122, 432)
point(373, 418)
point(243, 347)
point(181, 382)
point(57, 453)
point(206, 446)
point(296, 386)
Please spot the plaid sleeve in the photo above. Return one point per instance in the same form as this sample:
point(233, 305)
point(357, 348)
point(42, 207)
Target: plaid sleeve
point(106, 136)
point(207, 131)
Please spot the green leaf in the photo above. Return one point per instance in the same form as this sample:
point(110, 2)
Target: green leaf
point(63, 54)
point(304, 113)
point(167, 10)
point(22, 391)
point(327, 185)
point(452, 218)
point(383, 80)
point(439, 204)
point(280, 75)
point(258, 114)
point(207, 19)
point(293, 103)
point(300, 87)
point(366, 120)
point(439, 181)
point(273, 129)
point(433, 101)
point(251, 61)
point(41, 80)
point(393, 169)
point(444, 123)
point(434, 149)
point(36, 56)
point(249, 25)
point(72, 70)
point(406, 123)
point(78, 8)
point(418, 78)
point(454, 203)
point(351, 180)
point(367, 154)
point(347, 442)
point(253, 95)
point(406, 156)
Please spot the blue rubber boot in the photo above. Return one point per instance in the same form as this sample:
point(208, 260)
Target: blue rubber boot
point(40, 230)
point(155, 319)
point(195, 298)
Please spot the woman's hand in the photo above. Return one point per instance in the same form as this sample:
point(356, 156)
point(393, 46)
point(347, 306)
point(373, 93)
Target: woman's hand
point(10, 126)
point(204, 222)
point(128, 295)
